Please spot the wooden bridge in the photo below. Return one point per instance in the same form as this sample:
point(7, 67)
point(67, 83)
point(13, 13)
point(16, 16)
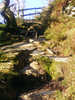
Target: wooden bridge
point(29, 13)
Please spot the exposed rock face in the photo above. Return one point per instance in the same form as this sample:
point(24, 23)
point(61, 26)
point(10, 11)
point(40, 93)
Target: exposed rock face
point(73, 12)
point(70, 10)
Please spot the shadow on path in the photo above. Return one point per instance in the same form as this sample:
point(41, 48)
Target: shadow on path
point(13, 83)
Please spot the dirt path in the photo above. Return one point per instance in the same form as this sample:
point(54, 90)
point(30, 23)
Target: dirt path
point(34, 48)
point(10, 51)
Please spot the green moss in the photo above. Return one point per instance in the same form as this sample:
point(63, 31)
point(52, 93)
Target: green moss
point(50, 66)
point(46, 63)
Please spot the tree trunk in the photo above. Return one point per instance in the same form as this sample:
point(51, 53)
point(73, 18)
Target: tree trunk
point(8, 14)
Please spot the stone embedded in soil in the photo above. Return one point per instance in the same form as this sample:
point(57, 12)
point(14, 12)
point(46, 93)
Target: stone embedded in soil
point(33, 69)
point(4, 67)
point(38, 95)
point(37, 52)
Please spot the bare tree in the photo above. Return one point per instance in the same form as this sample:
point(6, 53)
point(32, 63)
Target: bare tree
point(20, 6)
point(23, 6)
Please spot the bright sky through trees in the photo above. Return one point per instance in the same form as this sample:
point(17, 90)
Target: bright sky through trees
point(32, 3)
point(28, 4)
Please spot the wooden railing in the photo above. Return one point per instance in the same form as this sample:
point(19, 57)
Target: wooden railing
point(30, 12)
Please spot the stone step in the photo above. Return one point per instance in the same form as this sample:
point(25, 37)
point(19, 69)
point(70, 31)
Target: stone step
point(59, 58)
point(37, 95)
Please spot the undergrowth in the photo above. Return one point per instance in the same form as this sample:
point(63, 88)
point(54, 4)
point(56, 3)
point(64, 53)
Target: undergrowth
point(50, 66)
